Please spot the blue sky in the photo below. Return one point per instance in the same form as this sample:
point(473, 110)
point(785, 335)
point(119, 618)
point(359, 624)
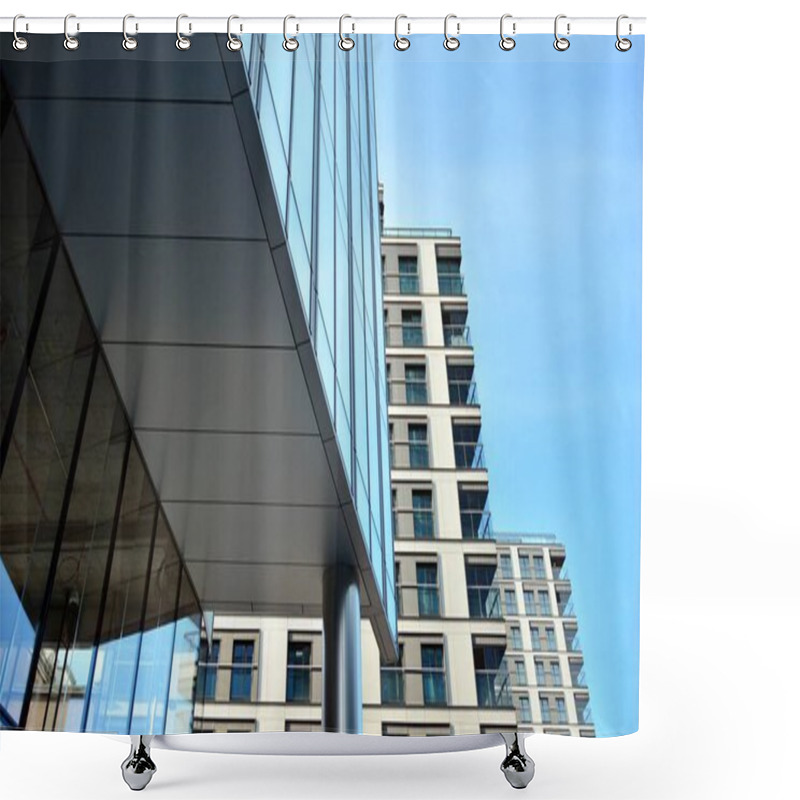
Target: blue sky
point(533, 157)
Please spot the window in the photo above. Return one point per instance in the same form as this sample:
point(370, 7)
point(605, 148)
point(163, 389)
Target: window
point(520, 674)
point(577, 673)
point(422, 510)
point(544, 705)
point(454, 327)
point(393, 685)
point(448, 269)
point(491, 676)
point(483, 597)
point(298, 673)
point(467, 446)
point(525, 710)
point(524, 567)
point(434, 691)
point(408, 274)
point(418, 453)
point(551, 639)
point(541, 675)
point(571, 637)
point(242, 676)
point(462, 388)
point(475, 516)
point(207, 670)
point(412, 327)
point(544, 602)
point(416, 385)
point(538, 568)
point(555, 673)
point(428, 590)
point(530, 605)
point(510, 602)
point(536, 638)
point(561, 709)
point(516, 638)
point(505, 565)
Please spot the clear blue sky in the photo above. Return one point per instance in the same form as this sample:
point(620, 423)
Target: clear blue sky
point(533, 157)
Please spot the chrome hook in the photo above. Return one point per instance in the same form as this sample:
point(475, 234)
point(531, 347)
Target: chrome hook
point(290, 44)
point(70, 42)
point(128, 42)
point(400, 42)
point(507, 42)
point(561, 43)
point(345, 42)
point(20, 42)
point(451, 42)
point(234, 44)
point(182, 43)
point(623, 45)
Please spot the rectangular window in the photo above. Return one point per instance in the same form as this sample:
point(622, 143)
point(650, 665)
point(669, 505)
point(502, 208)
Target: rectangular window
point(491, 676)
point(538, 568)
point(418, 453)
point(551, 639)
point(408, 274)
point(207, 670)
point(393, 685)
point(462, 388)
point(544, 705)
point(475, 515)
point(571, 637)
point(555, 673)
point(541, 675)
point(428, 590)
point(544, 603)
point(525, 710)
point(422, 510)
point(468, 449)
point(561, 709)
point(298, 673)
point(524, 567)
point(434, 690)
point(448, 269)
point(536, 640)
point(505, 566)
point(519, 673)
point(412, 327)
point(530, 605)
point(242, 676)
point(510, 602)
point(416, 385)
point(516, 638)
point(483, 597)
point(454, 327)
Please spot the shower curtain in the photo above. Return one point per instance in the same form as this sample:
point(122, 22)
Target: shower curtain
point(321, 379)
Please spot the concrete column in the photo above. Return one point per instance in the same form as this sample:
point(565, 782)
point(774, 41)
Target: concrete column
point(341, 650)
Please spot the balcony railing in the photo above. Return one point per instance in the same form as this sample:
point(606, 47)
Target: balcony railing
point(484, 602)
point(494, 688)
point(469, 455)
point(567, 609)
point(574, 643)
point(463, 393)
point(408, 392)
point(456, 335)
point(579, 678)
point(400, 283)
point(404, 334)
point(417, 233)
point(415, 523)
point(451, 285)
point(409, 455)
point(476, 524)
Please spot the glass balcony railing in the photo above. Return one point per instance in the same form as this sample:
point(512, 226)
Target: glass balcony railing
point(476, 524)
point(404, 334)
point(456, 335)
point(415, 523)
point(567, 609)
point(451, 285)
point(494, 688)
point(484, 602)
point(400, 283)
point(579, 678)
point(469, 455)
point(409, 455)
point(408, 392)
point(417, 233)
point(463, 393)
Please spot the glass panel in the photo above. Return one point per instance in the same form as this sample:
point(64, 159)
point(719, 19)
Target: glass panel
point(434, 690)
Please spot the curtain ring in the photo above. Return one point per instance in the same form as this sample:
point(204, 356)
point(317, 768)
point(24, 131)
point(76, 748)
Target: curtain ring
point(507, 42)
point(234, 44)
point(128, 42)
point(290, 44)
point(451, 42)
point(345, 42)
point(561, 44)
point(70, 42)
point(623, 45)
point(182, 43)
point(400, 42)
point(20, 42)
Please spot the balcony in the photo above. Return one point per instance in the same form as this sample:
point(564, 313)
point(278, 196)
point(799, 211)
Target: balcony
point(463, 393)
point(410, 455)
point(578, 677)
point(410, 392)
point(566, 608)
point(400, 283)
point(469, 455)
point(451, 284)
point(484, 602)
point(476, 524)
point(415, 523)
point(404, 334)
point(494, 688)
point(393, 686)
point(456, 335)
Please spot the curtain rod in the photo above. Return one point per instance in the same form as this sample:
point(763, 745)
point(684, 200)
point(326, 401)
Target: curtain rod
point(301, 24)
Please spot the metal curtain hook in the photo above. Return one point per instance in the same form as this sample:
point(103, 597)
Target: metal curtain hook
point(623, 45)
point(70, 42)
point(20, 42)
point(290, 44)
point(128, 42)
point(182, 43)
point(561, 43)
point(345, 42)
point(234, 43)
point(507, 42)
point(451, 42)
point(400, 42)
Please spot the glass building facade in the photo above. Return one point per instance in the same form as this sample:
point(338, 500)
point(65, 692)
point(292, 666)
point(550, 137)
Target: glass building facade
point(99, 621)
point(316, 114)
